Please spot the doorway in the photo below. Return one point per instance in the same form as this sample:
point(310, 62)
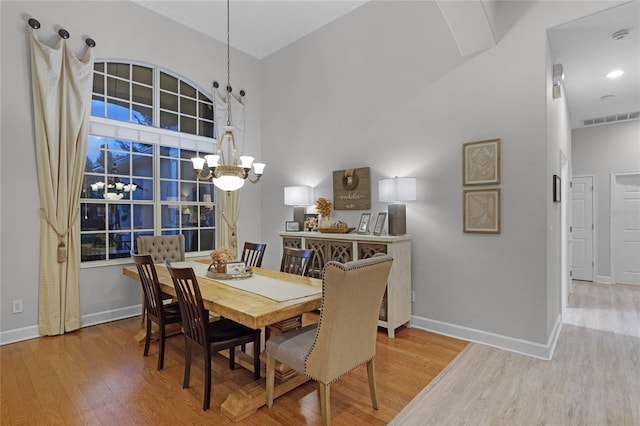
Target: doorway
point(625, 228)
point(582, 228)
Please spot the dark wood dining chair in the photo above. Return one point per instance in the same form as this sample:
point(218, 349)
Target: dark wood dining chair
point(209, 337)
point(252, 254)
point(295, 261)
point(156, 310)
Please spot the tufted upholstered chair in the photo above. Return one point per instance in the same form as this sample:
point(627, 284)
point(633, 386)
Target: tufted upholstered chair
point(162, 247)
point(345, 336)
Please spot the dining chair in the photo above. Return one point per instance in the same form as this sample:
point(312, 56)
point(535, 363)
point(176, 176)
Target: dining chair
point(209, 337)
point(156, 310)
point(161, 248)
point(345, 336)
point(252, 254)
point(295, 261)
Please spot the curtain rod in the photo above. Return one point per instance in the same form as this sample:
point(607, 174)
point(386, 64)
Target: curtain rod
point(35, 24)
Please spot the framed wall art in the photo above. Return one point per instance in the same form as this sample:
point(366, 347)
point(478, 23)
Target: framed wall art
point(352, 189)
point(481, 162)
point(481, 210)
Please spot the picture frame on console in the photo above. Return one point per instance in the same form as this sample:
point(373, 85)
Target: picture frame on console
point(379, 226)
point(363, 226)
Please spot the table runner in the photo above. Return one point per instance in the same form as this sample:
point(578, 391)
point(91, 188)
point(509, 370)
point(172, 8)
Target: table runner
point(271, 288)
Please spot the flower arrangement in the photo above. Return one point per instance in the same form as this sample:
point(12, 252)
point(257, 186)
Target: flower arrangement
point(222, 255)
point(323, 206)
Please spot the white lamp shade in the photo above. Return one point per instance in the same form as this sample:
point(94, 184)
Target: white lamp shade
point(397, 189)
point(198, 163)
point(212, 160)
point(298, 196)
point(228, 183)
point(246, 161)
point(258, 168)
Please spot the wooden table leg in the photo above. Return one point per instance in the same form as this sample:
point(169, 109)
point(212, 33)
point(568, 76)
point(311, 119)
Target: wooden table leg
point(247, 400)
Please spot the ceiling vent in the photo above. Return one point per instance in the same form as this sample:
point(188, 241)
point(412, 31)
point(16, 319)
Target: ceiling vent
point(611, 118)
point(619, 35)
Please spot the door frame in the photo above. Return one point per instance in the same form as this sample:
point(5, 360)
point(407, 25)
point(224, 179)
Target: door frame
point(612, 222)
point(565, 219)
point(594, 218)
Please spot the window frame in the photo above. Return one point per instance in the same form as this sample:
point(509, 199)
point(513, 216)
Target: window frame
point(157, 137)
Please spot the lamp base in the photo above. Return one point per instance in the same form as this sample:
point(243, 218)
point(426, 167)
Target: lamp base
point(397, 219)
point(298, 216)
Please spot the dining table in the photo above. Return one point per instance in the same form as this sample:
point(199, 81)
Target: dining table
point(264, 298)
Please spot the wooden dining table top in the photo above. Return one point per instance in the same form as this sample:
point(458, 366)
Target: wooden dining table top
point(249, 309)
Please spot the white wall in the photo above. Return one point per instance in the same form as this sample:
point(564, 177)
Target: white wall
point(122, 30)
point(600, 151)
point(385, 87)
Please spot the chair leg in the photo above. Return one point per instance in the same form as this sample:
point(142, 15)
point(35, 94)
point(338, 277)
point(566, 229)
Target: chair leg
point(256, 357)
point(271, 376)
point(207, 381)
point(325, 404)
point(187, 365)
point(147, 339)
point(371, 374)
point(163, 337)
point(232, 358)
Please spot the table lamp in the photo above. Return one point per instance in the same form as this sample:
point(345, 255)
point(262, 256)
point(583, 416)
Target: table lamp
point(299, 197)
point(395, 191)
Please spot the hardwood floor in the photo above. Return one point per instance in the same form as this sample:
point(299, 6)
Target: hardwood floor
point(593, 379)
point(98, 376)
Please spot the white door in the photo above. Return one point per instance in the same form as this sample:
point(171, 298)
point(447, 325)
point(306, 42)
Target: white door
point(582, 228)
point(626, 225)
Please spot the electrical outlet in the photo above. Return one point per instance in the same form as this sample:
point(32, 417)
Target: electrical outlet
point(413, 296)
point(17, 306)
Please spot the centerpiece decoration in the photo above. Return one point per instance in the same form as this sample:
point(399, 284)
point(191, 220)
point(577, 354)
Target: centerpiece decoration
point(220, 257)
point(323, 206)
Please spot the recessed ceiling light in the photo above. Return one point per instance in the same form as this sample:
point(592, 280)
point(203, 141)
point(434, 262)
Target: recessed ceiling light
point(607, 97)
point(615, 74)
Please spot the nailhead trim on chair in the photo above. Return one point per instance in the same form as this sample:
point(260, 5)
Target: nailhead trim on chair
point(354, 264)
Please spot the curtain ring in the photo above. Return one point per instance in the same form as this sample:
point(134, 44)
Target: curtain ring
point(63, 33)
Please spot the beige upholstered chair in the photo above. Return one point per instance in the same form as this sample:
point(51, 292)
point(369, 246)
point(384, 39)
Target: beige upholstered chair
point(345, 337)
point(162, 247)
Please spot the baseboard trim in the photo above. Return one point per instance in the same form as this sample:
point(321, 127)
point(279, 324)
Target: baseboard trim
point(604, 279)
point(511, 344)
point(31, 332)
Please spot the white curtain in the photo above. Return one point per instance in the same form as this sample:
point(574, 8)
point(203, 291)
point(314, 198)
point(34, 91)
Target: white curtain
point(61, 107)
point(229, 203)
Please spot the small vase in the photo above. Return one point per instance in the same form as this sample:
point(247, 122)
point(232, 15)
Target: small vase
point(324, 222)
point(220, 267)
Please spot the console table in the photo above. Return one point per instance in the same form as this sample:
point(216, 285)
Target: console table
point(395, 310)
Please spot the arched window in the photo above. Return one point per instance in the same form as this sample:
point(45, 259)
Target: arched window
point(146, 125)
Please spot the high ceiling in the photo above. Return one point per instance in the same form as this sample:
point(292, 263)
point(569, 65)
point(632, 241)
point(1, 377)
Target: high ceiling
point(588, 51)
point(584, 47)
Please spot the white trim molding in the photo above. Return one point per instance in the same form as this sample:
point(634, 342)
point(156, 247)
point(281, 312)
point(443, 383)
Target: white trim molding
point(31, 332)
point(603, 279)
point(524, 347)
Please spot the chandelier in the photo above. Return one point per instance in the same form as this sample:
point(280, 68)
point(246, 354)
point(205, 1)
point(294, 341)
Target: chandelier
point(228, 174)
